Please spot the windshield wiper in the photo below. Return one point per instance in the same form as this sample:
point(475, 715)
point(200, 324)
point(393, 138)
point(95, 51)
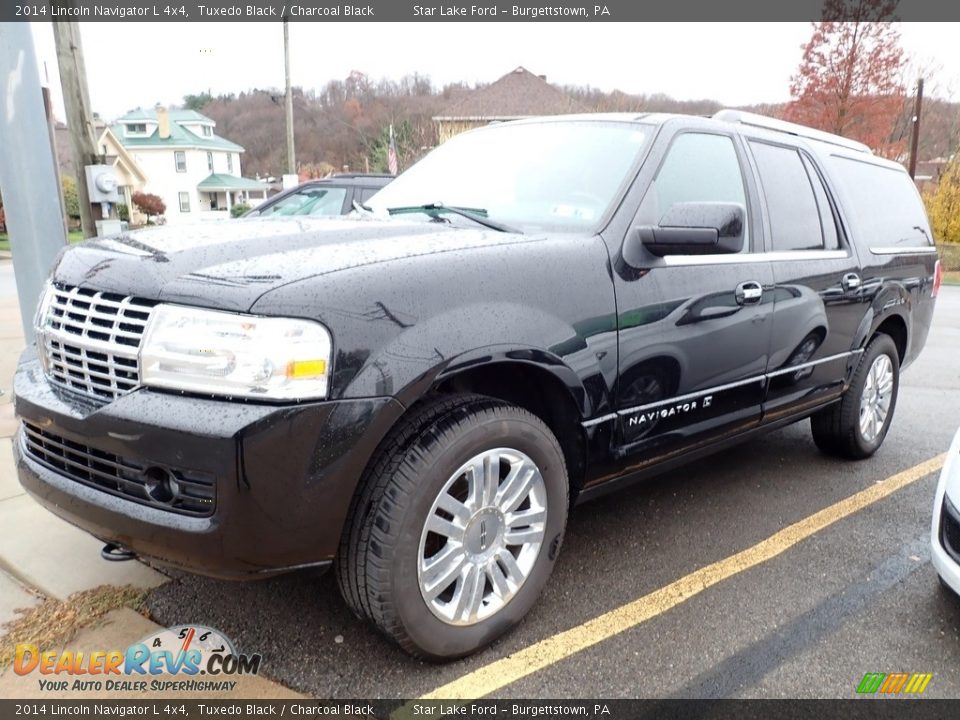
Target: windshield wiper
point(434, 210)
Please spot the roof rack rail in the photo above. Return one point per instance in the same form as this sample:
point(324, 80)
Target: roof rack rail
point(348, 175)
point(768, 123)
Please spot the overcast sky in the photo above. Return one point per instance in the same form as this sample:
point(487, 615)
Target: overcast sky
point(133, 65)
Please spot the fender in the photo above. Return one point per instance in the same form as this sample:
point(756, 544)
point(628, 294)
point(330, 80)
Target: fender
point(470, 336)
point(396, 325)
point(891, 299)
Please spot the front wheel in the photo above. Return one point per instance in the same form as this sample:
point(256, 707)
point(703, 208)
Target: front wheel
point(856, 426)
point(457, 526)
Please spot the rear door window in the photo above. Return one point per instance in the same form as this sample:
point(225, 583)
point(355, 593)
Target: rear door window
point(828, 221)
point(795, 221)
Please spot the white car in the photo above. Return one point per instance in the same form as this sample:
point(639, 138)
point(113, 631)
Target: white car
point(945, 530)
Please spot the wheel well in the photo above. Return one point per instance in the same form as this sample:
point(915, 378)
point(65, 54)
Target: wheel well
point(538, 392)
point(896, 328)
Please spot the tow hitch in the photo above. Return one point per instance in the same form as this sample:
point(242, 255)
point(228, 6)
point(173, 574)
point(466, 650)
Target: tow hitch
point(116, 553)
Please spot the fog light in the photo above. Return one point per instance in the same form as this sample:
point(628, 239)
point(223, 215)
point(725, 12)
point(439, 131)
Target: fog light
point(160, 484)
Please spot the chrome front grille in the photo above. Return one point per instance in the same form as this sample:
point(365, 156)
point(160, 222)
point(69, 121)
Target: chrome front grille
point(90, 340)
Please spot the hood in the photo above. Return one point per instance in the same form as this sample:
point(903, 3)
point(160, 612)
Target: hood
point(229, 264)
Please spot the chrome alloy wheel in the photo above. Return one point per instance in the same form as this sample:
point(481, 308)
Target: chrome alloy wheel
point(876, 397)
point(482, 536)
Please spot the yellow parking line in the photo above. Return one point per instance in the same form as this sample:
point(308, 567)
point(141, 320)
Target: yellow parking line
point(532, 658)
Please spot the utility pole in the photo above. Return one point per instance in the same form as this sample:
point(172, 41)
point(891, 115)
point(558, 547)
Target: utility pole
point(52, 134)
point(28, 180)
point(76, 102)
point(915, 137)
point(291, 160)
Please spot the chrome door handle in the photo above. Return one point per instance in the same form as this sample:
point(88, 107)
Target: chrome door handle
point(851, 281)
point(748, 293)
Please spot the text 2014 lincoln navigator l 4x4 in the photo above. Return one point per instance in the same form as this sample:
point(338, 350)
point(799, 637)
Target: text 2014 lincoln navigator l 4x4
point(534, 313)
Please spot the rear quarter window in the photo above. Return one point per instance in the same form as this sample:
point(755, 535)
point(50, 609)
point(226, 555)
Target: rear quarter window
point(366, 193)
point(884, 203)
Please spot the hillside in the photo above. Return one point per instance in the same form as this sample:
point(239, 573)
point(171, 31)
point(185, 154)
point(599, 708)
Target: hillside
point(344, 123)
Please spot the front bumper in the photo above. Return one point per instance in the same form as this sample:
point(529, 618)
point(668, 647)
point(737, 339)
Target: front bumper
point(283, 475)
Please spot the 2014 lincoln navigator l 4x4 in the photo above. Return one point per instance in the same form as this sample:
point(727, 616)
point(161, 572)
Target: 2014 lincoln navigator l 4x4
point(536, 312)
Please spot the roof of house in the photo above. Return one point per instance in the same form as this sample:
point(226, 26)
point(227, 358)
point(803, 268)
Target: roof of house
point(517, 94)
point(179, 136)
point(123, 157)
point(222, 181)
point(176, 115)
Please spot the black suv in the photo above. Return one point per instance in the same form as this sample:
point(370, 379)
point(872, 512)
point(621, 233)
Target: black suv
point(535, 313)
point(335, 195)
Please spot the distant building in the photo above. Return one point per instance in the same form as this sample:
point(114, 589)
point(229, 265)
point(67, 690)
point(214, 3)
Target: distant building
point(61, 137)
point(928, 172)
point(177, 155)
point(518, 94)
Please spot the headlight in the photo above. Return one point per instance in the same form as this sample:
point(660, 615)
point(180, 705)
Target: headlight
point(43, 307)
point(220, 353)
point(40, 320)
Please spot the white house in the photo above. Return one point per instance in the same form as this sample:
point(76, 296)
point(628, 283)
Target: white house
point(177, 155)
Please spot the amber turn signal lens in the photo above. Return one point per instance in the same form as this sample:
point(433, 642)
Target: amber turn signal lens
point(306, 368)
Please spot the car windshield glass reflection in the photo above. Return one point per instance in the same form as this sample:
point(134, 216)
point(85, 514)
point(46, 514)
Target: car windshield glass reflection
point(309, 201)
point(533, 176)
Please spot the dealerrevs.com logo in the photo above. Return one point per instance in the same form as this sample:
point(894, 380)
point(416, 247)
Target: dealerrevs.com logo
point(198, 658)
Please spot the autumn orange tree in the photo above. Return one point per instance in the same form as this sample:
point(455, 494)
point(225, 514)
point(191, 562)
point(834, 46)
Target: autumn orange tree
point(149, 204)
point(850, 80)
point(315, 170)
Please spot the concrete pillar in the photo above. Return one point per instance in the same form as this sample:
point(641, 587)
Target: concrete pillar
point(28, 178)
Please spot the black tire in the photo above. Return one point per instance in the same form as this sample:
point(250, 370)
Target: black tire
point(836, 429)
point(377, 563)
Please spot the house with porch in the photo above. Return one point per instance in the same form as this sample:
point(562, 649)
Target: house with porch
point(177, 155)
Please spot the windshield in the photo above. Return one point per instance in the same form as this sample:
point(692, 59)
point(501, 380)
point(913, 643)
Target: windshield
point(309, 201)
point(559, 176)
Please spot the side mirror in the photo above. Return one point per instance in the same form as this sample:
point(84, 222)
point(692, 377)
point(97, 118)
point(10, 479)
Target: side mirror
point(696, 228)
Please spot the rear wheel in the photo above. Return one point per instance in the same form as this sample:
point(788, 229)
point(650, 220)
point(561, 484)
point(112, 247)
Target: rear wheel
point(856, 426)
point(457, 526)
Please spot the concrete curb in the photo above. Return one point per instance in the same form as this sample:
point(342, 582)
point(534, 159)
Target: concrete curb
point(46, 553)
point(13, 597)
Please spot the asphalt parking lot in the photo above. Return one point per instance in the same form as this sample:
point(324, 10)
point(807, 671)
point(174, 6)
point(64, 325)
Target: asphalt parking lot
point(856, 596)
